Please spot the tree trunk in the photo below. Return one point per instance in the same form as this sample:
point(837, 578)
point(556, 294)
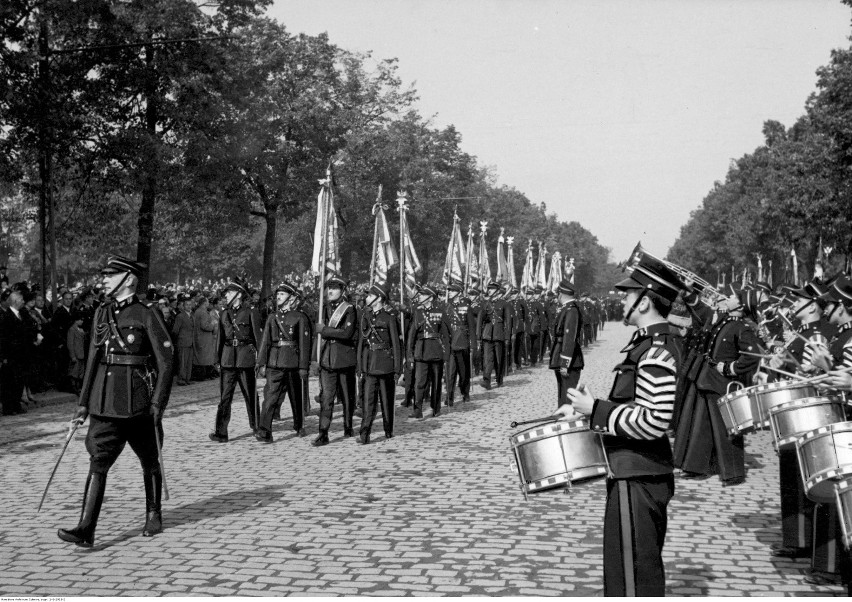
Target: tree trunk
point(145, 223)
point(269, 249)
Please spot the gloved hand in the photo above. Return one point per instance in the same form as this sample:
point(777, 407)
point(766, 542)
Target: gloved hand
point(81, 414)
point(261, 371)
point(157, 413)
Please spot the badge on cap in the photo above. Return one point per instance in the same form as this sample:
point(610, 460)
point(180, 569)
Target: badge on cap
point(131, 338)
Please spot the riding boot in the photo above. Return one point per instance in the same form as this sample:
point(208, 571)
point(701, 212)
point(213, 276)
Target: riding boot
point(93, 497)
point(153, 507)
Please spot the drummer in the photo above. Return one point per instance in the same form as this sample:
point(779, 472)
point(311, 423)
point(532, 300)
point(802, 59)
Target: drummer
point(633, 419)
point(805, 352)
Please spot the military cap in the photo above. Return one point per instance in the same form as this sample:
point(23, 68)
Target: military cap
point(117, 264)
point(239, 285)
point(652, 275)
point(839, 291)
point(514, 290)
point(380, 290)
point(455, 287)
point(337, 281)
point(493, 286)
point(538, 289)
point(565, 287)
point(763, 286)
point(811, 290)
point(748, 299)
point(286, 287)
point(473, 289)
point(428, 290)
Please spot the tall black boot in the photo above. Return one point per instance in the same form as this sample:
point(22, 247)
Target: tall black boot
point(153, 508)
point(93, 497)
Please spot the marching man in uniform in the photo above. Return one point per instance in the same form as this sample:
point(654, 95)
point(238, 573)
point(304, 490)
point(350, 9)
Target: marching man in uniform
point(462, 329)
point(493, 328)
point(566, 352)
point(339, 331)
point(380, 354)
point(427, 343)
point(284, 359)
point(124, 394)
point(633, 420)
point(239, 338)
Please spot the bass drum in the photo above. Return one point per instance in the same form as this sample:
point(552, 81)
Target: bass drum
point(558, 454)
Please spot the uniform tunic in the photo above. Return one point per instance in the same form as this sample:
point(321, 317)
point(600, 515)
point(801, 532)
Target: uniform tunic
point(128, 379)
point(634, 420)
point(462, 325)
point(493, 329)
point(428, 341)
point(338, 360)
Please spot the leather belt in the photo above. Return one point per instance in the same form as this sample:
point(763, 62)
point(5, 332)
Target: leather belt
point(374, 347)
point(429, 335)
point(112, 359)
point(237, 343)
point(285, 343)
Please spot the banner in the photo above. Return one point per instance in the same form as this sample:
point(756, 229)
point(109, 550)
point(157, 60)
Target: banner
point(510, 260)
point(555, 276)
point(541, 270)
point(484, 265)
point(456, 259)
point(326, 241)
point(384, 253)
point(528, 277)
point(472, 268)
point(412, 262)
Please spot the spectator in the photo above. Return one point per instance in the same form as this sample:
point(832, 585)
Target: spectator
point(182, 336)
point(60, 323)
point(17, 340)
point(204, 322)
point(75, 342)
point(37, 367)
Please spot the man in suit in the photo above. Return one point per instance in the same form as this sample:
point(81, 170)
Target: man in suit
point(18, 339)
point(339, 331)
point(125, 391)
point(183, 337)
point(284, 359)
point(60, 323)
point(239, 338)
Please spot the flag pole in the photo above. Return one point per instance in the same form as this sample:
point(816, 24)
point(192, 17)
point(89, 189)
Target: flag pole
point(402, 252)
point(452, 257)
point(323, 252)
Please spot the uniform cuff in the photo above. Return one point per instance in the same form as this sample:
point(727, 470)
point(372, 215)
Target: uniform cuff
point(600, 415)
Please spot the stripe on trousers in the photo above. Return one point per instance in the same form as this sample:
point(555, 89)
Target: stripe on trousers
point(626, 538)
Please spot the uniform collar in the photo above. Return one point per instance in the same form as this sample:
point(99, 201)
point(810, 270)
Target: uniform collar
point(119, 304)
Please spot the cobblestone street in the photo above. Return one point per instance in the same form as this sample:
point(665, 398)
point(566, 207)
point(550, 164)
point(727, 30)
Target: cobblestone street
point(434, 511)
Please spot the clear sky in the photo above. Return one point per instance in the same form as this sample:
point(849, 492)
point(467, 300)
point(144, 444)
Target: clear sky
point(617, 114)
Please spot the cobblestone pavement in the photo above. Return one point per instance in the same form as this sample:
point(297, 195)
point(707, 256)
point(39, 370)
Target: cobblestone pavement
point(434, 511)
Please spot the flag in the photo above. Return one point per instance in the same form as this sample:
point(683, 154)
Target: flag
point(569, 270)
point(409, 257)
point(759, 268)
point(384, 253)
point(472, 271)
point(456, 255)
point(510, 260)
point(769, 274)
point(541, 271)
point(502, 268)
point(795, 266)
point(484, 266)
point(819, 265)
point(326, 256)
point(528, 277)
point(555, 276)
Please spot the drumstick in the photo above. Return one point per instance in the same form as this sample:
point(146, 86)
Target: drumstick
point(785, 373)
point(535, 421)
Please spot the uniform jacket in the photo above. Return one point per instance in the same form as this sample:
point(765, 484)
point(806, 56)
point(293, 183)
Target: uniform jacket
point(566, 351)
point(494, 323)
point(111, 389)
point(840, 347)
point(338, 351)
point(462, 325)
point(519, 315)
point(379, 348)
point(635, 416)
point(813, 331)
point(239, 337)
point(725, 342)
point(537, 319)
point(286, 342)
point(428, 335)
point(183, 331)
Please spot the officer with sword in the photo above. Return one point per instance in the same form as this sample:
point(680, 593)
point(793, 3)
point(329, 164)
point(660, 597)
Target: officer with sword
point(125, 391)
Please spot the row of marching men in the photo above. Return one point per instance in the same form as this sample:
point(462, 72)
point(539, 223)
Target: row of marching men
point(440, 340)
point(782, 342)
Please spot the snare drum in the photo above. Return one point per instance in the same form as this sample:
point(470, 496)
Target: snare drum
point(792, 419)
point(825, 456)
point(765, 397)
point(843, 495)
point(553, 455)
point(737, 412)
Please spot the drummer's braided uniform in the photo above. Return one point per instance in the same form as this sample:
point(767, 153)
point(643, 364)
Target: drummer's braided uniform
point(633, 421)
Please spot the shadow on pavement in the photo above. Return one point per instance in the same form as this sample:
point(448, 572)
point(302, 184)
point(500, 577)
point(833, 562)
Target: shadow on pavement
point(697, 576)
point(223, 504)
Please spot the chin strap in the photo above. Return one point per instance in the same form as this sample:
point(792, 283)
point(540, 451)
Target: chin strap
point(796, 313)
point(633, 307)
point(118, 286)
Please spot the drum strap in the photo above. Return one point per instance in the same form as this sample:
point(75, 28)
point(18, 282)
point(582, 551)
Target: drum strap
point(626, 538)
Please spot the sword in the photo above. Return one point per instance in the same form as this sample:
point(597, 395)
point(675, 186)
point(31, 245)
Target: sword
point(160, 458)
point(72, 428)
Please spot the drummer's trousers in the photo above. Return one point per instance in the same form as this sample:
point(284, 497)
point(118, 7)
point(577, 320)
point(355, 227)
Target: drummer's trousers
point(492, 361)
point(796, 509)
point(828, 554)
point(634, 533)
